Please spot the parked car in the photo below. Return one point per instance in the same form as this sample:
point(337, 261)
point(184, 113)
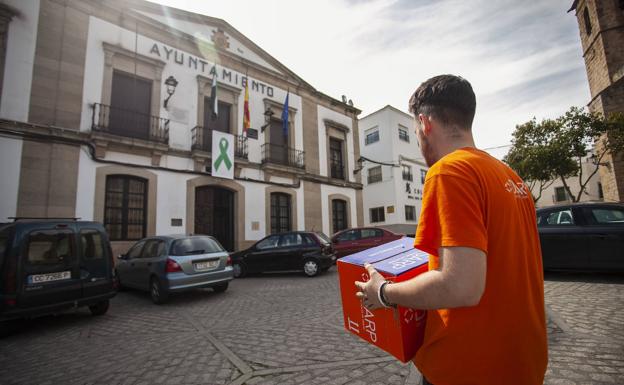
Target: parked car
point(351, 241)
point(299, 250)
point(175, 263)
point(582, 236)
point(47, 266)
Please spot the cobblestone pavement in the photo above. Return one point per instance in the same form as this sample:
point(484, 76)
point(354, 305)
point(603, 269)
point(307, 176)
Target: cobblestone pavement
point(281, 329)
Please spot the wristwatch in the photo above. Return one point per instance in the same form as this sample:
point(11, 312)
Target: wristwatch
point(382, 297)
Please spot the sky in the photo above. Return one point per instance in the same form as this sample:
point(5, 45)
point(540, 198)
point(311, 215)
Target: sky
point(522, 57)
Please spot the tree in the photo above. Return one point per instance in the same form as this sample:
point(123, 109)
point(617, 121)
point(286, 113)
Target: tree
point(556, 149)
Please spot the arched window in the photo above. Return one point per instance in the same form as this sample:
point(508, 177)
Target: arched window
point(280, 213)
point(125, 207)
point(339, 215)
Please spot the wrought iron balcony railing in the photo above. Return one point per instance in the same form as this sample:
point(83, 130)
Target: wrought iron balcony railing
point(202, 140)
point(273, 153)
point(127, 123)
point(336, 170)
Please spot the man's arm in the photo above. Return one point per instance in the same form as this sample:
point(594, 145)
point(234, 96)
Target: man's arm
point(459, 282)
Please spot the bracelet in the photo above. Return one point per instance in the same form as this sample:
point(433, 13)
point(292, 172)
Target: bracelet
point(382, 298)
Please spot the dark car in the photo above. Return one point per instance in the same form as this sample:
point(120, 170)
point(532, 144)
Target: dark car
point(49, 265)
point(351, 241)
point(582, 236)
point(175, 263)
point(300, 250)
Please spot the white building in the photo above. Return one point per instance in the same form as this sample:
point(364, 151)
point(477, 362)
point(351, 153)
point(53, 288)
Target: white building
point(556, 193)
point(393, 170)
point(85, 131)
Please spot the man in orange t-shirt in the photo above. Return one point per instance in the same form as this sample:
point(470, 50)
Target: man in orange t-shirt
point(484, 290)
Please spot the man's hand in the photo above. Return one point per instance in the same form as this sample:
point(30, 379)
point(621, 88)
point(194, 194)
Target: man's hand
point(368, 290)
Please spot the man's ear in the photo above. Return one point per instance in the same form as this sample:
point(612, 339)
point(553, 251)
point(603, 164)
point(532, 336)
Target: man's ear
point(425, 123)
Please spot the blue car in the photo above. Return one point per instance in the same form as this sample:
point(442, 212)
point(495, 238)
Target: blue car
point(175, 263)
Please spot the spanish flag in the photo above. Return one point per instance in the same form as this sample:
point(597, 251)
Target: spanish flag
point(246, 121)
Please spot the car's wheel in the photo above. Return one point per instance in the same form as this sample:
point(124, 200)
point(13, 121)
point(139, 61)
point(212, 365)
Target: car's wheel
point(158, 292)
point(99, 308)
point(239, 270)
point(220, 288)
point(310, 267)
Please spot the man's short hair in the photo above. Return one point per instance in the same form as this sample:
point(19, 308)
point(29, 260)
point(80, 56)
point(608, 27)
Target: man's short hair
point(447, 98)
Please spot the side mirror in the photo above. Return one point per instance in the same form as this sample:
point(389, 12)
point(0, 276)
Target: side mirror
point(121, 256)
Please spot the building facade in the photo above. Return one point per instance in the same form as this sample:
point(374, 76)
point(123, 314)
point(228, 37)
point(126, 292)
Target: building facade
point(556, 193)
point(393, 170)
point(601, 27)
point(107, 114)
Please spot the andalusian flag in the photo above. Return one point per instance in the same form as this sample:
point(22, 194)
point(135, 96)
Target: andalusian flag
point(214, 103)
point(246, 121)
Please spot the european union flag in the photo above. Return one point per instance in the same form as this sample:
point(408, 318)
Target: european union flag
point(285, 115)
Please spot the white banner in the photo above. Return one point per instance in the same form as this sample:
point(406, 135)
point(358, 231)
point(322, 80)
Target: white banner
point(223, 154)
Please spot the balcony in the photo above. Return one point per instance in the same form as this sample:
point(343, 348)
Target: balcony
point(336, 169)
point(202, 140)
point(130, 124)
point(282, 155)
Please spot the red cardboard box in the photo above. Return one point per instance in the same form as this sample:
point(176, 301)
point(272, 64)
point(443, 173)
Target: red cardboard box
point(399, 332)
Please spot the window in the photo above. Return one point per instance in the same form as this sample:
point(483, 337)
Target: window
point(371, 233)
point(559, 217)
point(587, 21)
point(280, 213)
point(403, 135)
point(268, 243)
point(374, 174)
point(195, 245)
point(336, 162)
point(372, 136)
point(377, 214)
point(125, 214)
point(561, 194)
point(351, 235)
point(50, 247)
point(600, 192)
point(4, 244)
point(131, 99)
point(91, 244)
point(423, 176)
point(323, 238)
point(608, 216)
point(339, 215)
point(222, 123)
point(410, 213)
point(407, 173)
point(308, 240)
point(289, 240)
point(135, 252)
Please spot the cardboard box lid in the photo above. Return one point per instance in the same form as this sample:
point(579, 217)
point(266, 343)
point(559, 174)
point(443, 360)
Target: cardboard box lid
point(381, 252)
point(399, 264)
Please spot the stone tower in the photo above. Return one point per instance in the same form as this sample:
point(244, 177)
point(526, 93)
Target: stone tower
point(601, 26)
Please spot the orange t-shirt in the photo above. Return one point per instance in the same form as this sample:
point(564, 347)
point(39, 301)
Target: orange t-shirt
point(473, 200)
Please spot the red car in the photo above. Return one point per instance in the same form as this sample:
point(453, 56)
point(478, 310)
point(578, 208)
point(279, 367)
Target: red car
point(350, 241)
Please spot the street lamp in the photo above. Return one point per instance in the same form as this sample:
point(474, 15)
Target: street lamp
point(171, 84)
point(267, 118)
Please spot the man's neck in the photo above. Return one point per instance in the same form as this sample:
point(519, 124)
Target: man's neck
point(455, 143)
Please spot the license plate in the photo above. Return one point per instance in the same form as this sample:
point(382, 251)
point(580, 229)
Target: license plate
point(206, 265)
point(50, 277)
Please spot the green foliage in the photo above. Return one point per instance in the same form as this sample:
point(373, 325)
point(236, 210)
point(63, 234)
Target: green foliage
point(555, 149)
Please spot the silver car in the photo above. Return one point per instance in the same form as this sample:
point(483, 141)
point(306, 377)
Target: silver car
point(167, 264)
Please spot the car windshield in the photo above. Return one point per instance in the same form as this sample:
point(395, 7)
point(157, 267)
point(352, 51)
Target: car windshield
point(323, 238)
point(195, 245)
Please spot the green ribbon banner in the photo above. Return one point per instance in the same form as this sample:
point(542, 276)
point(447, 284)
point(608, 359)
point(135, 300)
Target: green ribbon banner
point(223, 156)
